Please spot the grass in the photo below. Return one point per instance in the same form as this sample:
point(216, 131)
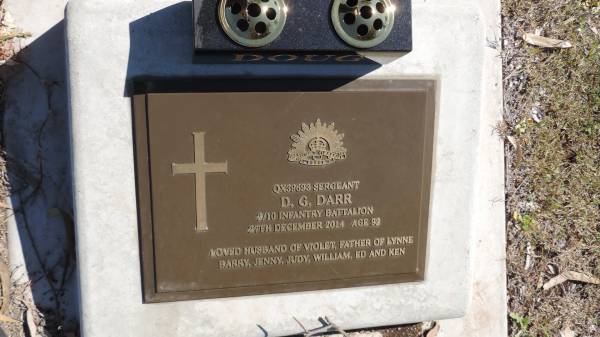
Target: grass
point(552, 113)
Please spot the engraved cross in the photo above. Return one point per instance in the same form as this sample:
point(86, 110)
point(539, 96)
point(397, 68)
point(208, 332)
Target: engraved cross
point(199, 168)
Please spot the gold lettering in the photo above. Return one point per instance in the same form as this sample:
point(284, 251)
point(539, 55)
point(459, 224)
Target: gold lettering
point(248, 57)
point(297, 259)
point(234, 264)
point(264, 250)
point(377, 253)
point(316, 246)
point(397, 251)
point(336, 186)
point(319, 251)
point(314, 58)
point(352, 211)
point(331, 257)
point(303, 201)
point(350, 58)
point(360, 254)
point(287, 58)
point(303, 214)
point(360, 243)
point(286, 202)
point(230, 251)
point(351, 185)
point(400, 240)
point(268, 261)
point(334, 199)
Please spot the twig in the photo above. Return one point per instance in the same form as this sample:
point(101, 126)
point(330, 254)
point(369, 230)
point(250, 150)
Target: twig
point(299, 323)
point(336, 327)
point(38, 256)
point(328, 326)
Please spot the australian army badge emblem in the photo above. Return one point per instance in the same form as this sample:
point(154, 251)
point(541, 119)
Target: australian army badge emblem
point(317, 144)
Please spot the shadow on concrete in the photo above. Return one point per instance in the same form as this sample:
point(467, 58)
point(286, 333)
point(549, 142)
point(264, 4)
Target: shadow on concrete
point(35, 138)
point(161, 47)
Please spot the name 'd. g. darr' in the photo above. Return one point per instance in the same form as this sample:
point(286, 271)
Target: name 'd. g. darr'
point(319, 200)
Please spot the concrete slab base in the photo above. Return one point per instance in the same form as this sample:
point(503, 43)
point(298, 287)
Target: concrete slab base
point(108, 43)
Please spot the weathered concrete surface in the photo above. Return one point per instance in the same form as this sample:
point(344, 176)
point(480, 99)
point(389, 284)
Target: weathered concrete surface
point(487, 309)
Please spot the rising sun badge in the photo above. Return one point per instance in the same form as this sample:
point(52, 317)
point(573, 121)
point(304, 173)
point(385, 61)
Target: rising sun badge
point(317, 144)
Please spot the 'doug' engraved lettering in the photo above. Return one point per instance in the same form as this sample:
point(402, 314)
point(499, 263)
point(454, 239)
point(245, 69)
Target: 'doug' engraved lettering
point(199, 168)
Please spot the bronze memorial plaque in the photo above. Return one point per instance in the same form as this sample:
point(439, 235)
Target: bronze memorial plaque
point(250, 192)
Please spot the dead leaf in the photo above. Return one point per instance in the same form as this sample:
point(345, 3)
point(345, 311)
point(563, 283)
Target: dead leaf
point(7, 319)
point(567, 332)
point(552, 269)
point(593, 28)
point(433, 332)
point(518, 150)
point(7, 19)
point(5, 283)
point(545, 42)
point(536, 114)
point(31, 326)
point(571, 276)
point(14, 35)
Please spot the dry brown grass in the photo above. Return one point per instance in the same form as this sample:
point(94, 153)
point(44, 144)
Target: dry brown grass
point(8, 36)
point(552, 114)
